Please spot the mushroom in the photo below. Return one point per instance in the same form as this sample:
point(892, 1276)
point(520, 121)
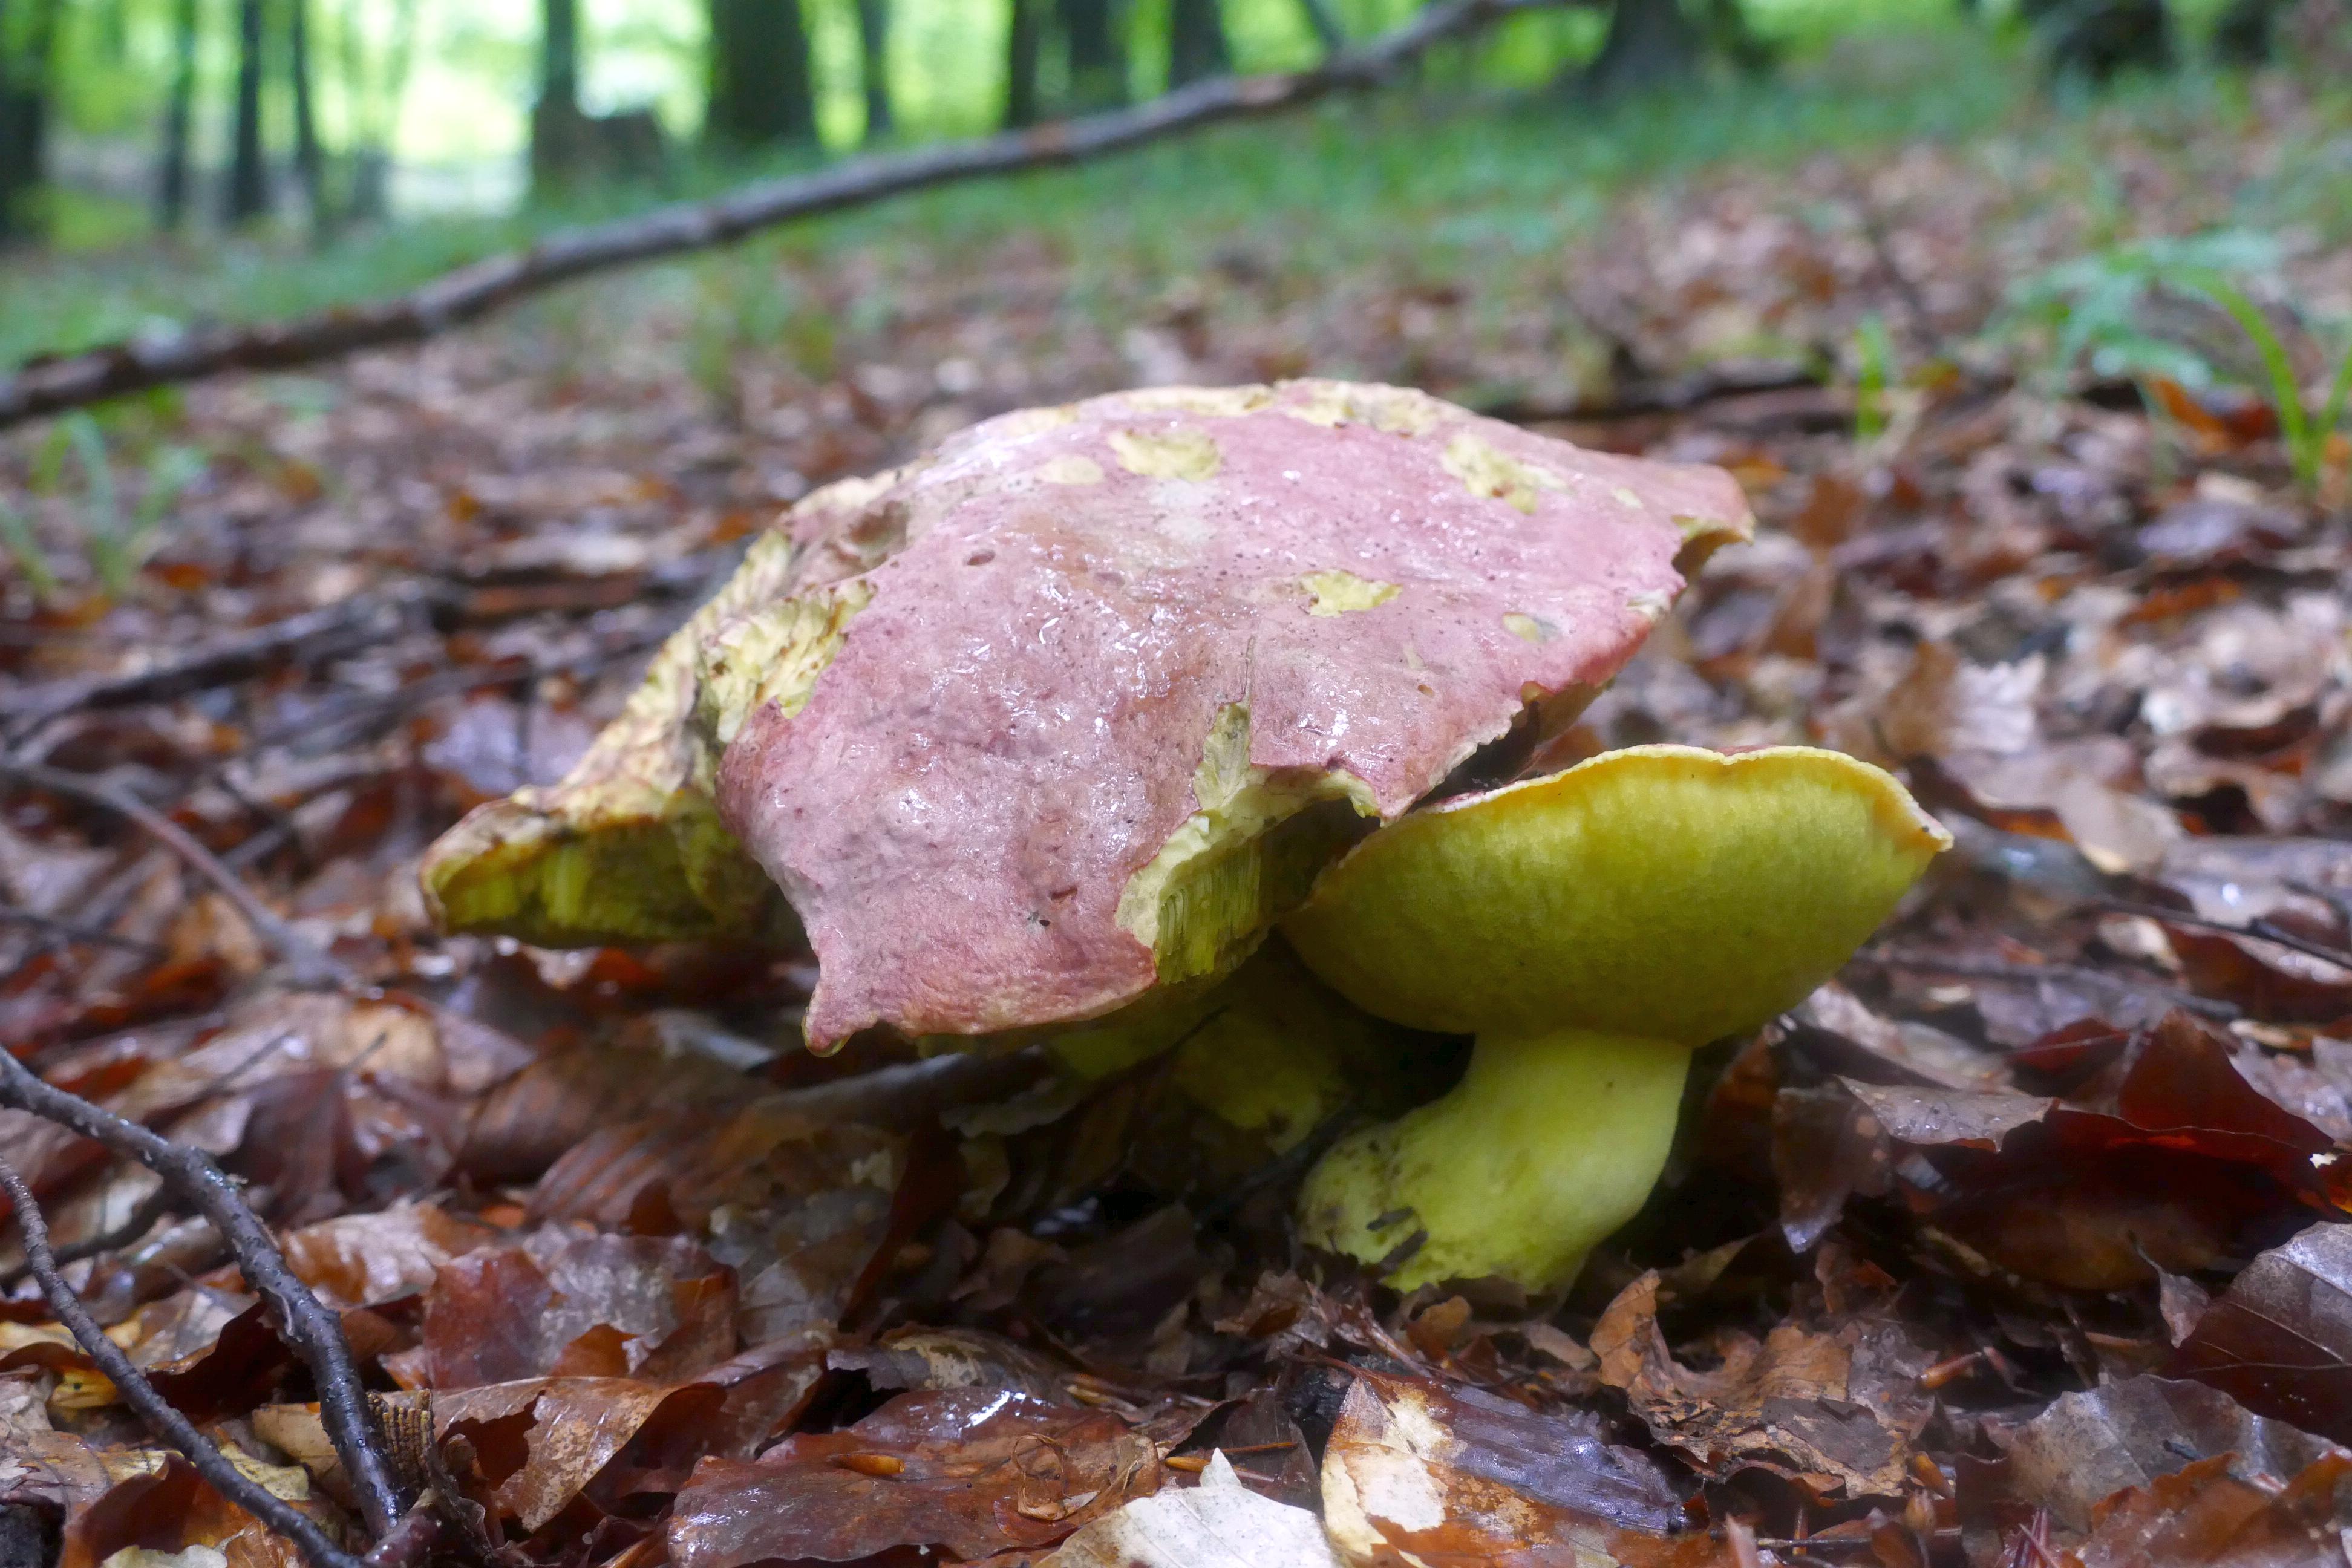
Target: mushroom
point(1591, 929)
point(1053, 723)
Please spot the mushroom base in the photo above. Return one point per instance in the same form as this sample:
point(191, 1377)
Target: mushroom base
point(1550, 1141)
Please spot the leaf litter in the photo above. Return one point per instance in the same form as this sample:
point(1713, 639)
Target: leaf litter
point(2022, 1243)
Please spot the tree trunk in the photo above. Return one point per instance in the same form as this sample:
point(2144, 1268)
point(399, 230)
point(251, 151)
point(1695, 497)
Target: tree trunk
point(1196, 42)
point(1325, 21)
point(761, 95)
point(1650, 43)
point(2247, 32)
point(373, 132)
point(1024, 48)
point(559, 140)
point(249, 175)
point(1097, 51)
point(12, 139)
point(179, 109)
point(310, 158)
point(873, 65)
point(2099, 38)
point(25, 84)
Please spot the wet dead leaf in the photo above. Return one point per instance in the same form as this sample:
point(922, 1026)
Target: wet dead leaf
point(967, 1471)
point(1838, 1411)
point(1415, 1472)
point(1219, 1523)
point(2279, 1340)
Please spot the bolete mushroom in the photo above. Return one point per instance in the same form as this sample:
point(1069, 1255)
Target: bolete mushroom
point(1590, 927)
point(1062, 718)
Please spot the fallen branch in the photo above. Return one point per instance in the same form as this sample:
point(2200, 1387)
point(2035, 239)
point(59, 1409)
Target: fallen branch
point(140, 1395)
point(307, 964)
point(1677, 395)
point(332, 632)
point(314, 1333)
point(51, 384)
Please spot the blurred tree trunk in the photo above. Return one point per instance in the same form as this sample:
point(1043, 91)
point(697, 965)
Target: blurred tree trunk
point(1325, 21)
point(2247, 31)
point(25, 79)
point(1197, 47)
point(2099, 38)
point(310, 158)
point(558, 139)
point(373, 132)
point(873, 65)
point(248, 174)
point(1097, 51)
point(179, 111)
point(1650, 43)
point(1024, 49)
point(1655, 43)
point(760, 94)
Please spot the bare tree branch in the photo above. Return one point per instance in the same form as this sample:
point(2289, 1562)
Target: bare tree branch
point(140, 1395)
point(308, 963)
point(315, 1333)
point(51, 384)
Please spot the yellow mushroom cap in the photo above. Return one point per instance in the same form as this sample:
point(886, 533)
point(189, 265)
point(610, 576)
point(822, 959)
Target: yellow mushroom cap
point(1662, 891)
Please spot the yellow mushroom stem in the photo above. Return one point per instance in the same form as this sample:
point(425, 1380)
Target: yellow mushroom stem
point(1591, 929)
point(1551, 1140)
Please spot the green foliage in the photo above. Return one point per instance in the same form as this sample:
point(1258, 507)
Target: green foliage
point(116, 541)
point(1874, 359)
point(2100, 311)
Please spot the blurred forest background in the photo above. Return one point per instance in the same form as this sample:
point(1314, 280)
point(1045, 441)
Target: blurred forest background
point(169, 160)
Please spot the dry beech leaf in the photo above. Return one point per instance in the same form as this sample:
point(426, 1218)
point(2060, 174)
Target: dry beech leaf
point(2088, 1446)
point(576, 1426)
point(1418, 1473)
point(1837, 1411)
point(2203, 1516)
point(370, 1259)
point(2279, 1340)
point(568, 1304)
point(1219, 1523)
point(969, 1471)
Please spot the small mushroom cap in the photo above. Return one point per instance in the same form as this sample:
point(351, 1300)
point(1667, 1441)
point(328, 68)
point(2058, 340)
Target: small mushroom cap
point(1663, 891)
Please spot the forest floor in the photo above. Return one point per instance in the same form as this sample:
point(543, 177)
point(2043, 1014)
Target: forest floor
point(2023, 1238)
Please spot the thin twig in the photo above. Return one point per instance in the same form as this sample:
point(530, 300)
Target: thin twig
point(2256, 931)
point(315, 1333)
point(2036, 974)
point(68, 931)
point(141, 1220)
point(72, 380)
point(1675, 394)
point(330, 632)
point(310, 964)
point(140, 1395)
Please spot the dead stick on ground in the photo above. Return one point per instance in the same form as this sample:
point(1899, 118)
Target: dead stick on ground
point(311, 965)
point(71, 381)
point(140, 1395)
point(334, 630)
point(140, 1221)
point(315, 1333)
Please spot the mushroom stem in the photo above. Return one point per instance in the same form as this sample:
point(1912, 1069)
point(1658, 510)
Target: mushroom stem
point(1552, 1140)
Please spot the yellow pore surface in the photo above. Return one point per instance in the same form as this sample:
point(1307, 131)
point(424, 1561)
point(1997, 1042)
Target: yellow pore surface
point(1662, 891)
